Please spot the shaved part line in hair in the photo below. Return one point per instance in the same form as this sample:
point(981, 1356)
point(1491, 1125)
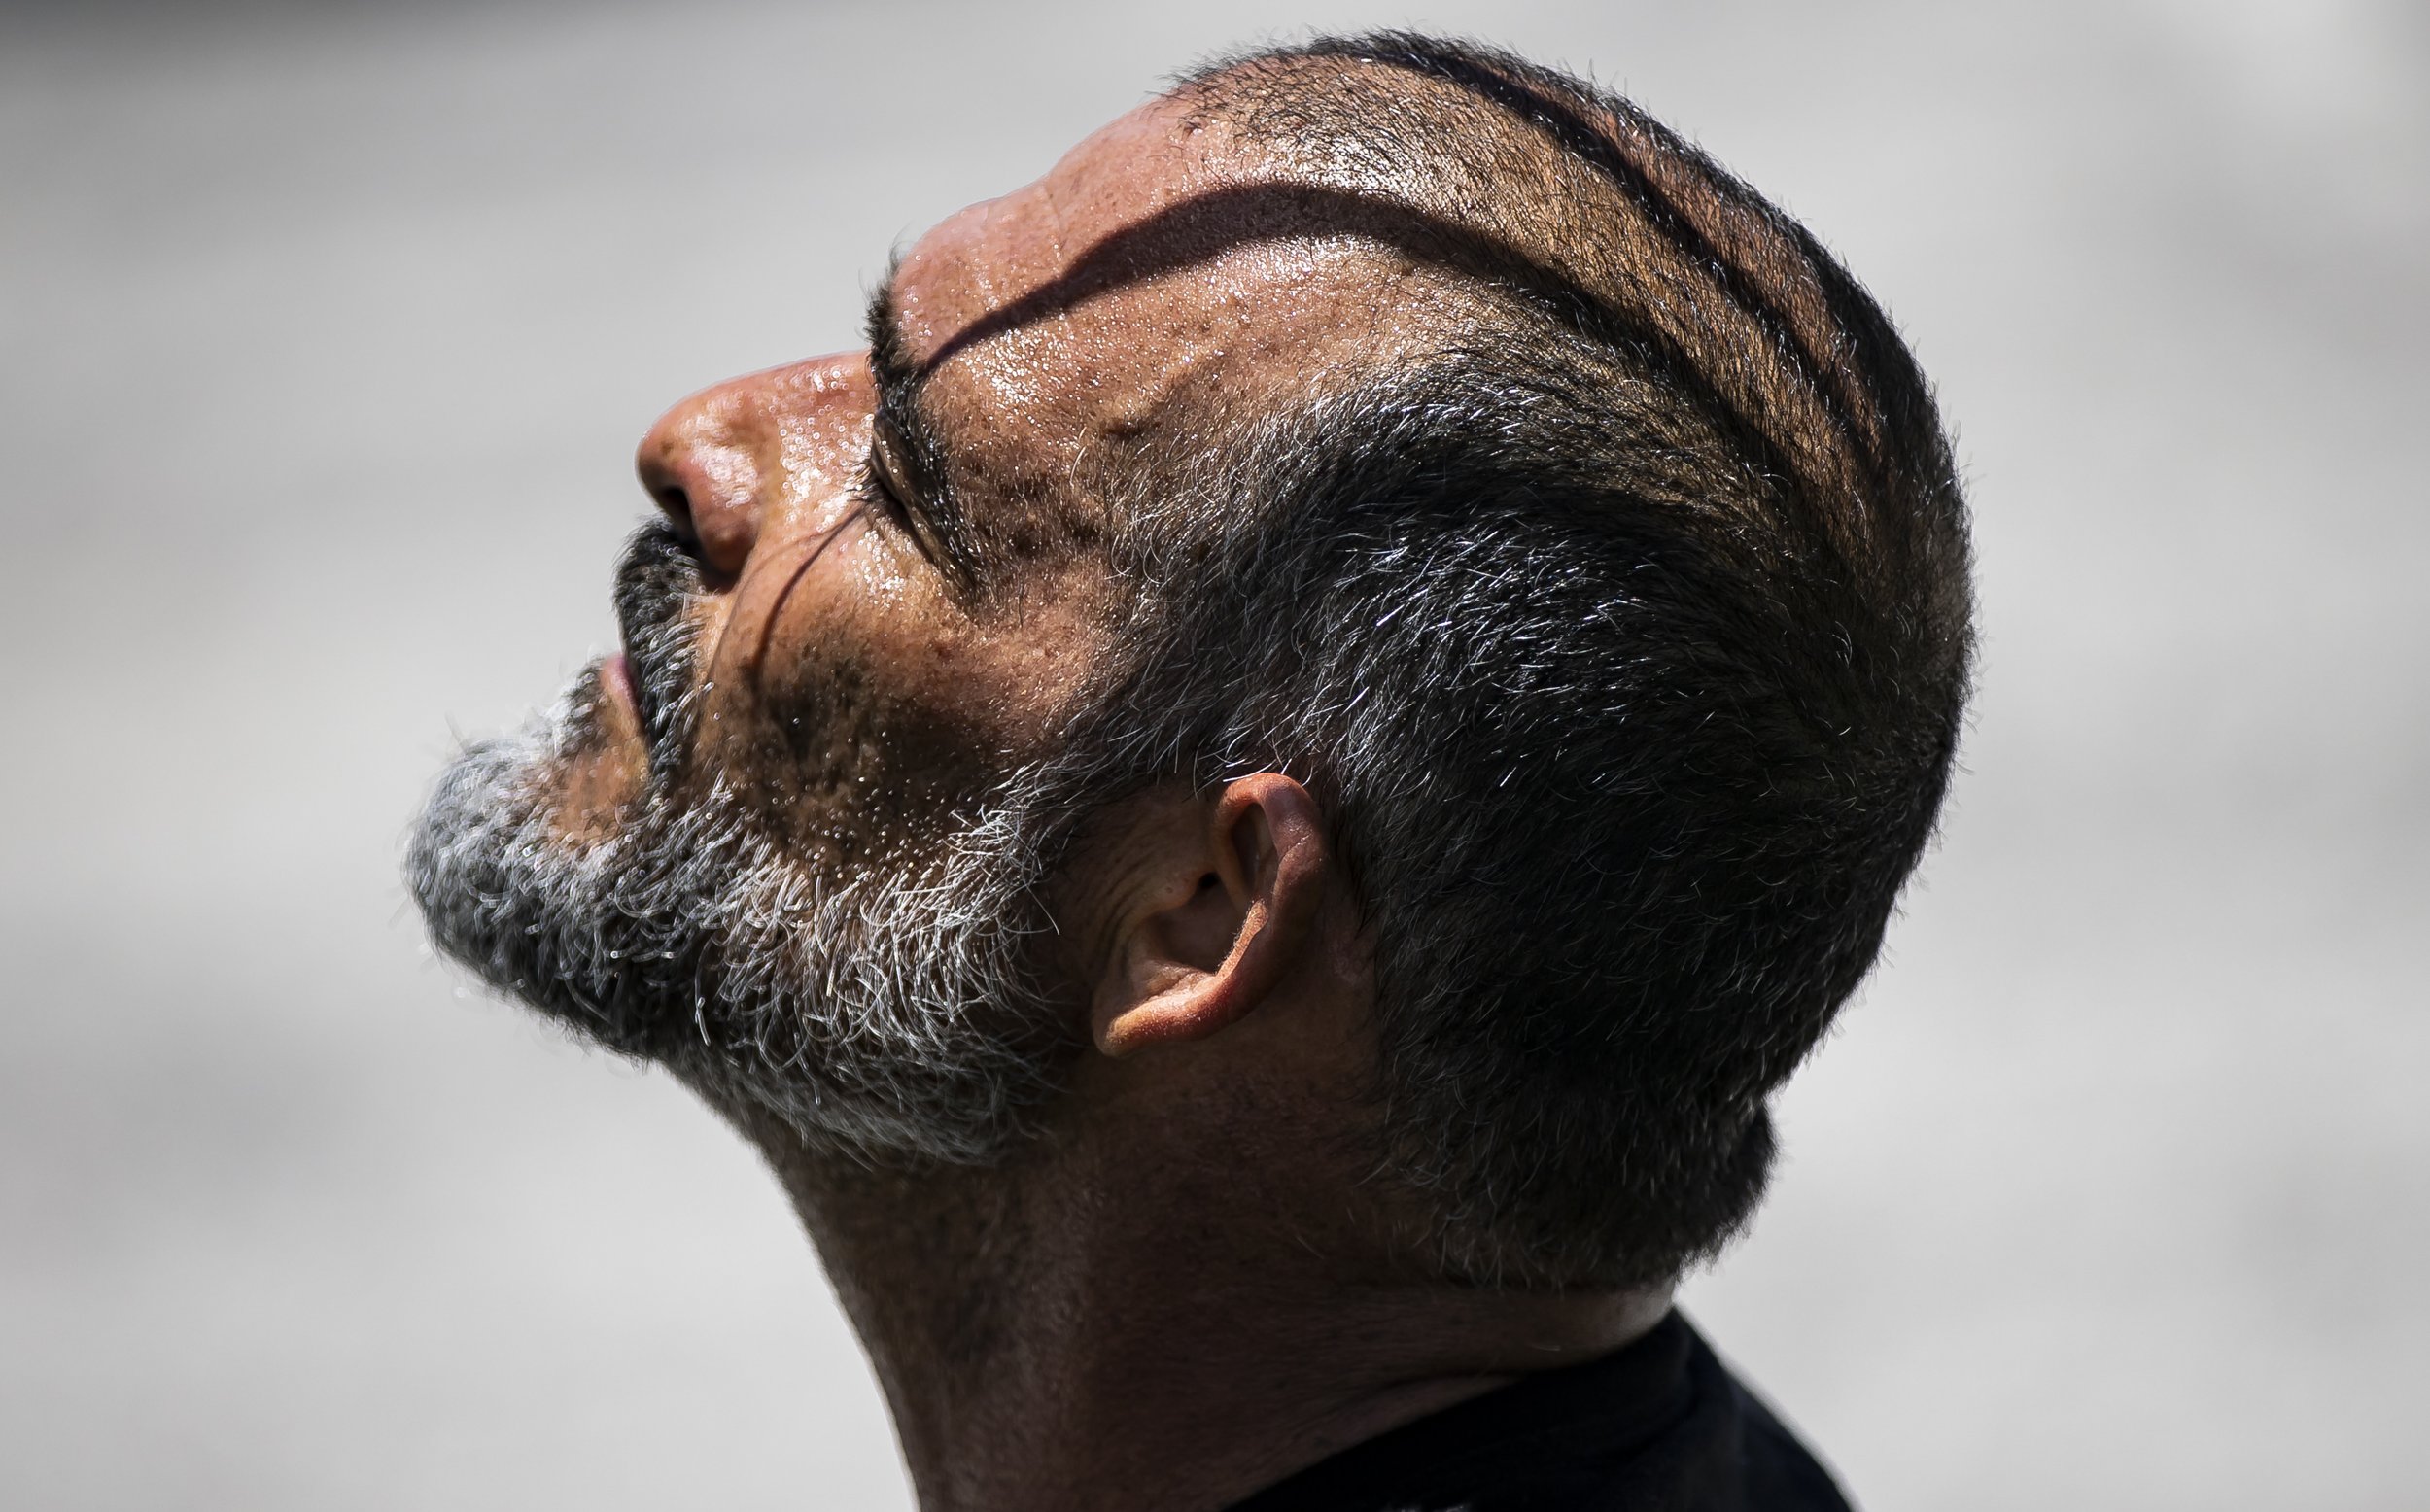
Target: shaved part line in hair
point(1694, 211)
point(1694, 255)
point(1620, 619)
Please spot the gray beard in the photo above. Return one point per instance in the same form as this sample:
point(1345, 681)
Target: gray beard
point(887, 1010)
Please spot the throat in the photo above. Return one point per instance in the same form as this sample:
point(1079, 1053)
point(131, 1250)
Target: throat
point(1043, 1343)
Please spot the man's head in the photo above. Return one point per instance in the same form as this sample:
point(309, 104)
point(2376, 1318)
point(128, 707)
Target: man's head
point(1381, 521)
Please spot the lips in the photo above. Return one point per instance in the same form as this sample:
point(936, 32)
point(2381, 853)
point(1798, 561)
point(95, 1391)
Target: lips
point(617, 672)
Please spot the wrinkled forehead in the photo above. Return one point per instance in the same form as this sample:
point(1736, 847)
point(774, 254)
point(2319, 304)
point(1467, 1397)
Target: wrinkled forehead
point(1167, 268)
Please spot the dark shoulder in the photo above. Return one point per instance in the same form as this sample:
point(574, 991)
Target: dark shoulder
point(1779, 1473)
point(1659, 1426)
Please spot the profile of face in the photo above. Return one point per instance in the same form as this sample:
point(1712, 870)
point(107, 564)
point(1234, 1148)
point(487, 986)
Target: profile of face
point(1434, 443)
point(781, 842)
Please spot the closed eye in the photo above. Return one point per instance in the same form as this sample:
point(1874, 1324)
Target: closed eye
point(889, 497)
point(886, 484)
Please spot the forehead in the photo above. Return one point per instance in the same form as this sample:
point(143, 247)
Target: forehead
point(1164, 267)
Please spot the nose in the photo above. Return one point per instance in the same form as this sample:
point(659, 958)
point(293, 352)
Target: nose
point(717, 462)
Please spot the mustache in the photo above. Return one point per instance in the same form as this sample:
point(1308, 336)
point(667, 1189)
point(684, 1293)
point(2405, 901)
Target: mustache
point(657, 581)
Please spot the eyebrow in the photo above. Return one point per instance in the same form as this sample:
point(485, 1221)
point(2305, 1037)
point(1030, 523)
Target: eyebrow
point(919, 451)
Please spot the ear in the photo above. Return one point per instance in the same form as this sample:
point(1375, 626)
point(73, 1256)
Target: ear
point(1222, 921)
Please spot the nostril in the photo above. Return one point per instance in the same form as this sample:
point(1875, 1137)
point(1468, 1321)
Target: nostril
point(707, 482)
point(665, 486)
point(672, 499)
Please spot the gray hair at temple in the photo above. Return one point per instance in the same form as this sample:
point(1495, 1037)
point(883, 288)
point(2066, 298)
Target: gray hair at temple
point(1624, 634)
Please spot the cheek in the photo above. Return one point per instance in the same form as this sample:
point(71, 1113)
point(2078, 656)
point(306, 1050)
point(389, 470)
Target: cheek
point(856, 728)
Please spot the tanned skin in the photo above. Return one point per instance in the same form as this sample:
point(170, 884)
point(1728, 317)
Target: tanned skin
point(1187, 1285)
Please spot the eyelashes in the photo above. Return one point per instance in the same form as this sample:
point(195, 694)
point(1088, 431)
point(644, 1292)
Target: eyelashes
point(932, 525)
point(879, 495)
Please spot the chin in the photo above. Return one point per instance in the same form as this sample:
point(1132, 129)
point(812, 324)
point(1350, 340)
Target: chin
point(514, 862)
point(880, 1007)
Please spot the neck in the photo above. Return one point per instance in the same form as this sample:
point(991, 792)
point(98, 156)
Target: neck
point(1060, 1334)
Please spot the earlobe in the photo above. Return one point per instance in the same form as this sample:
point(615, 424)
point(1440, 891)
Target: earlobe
point(1223, 932)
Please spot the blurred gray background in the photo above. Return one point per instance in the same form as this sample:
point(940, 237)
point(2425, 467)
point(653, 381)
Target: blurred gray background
point(325, 339)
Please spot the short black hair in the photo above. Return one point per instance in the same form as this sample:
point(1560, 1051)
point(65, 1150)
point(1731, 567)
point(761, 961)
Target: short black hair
point(1625, 634)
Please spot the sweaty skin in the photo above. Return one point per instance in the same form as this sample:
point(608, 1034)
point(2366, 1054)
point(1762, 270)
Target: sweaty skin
point(819, 598)
point(1166, 1299)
